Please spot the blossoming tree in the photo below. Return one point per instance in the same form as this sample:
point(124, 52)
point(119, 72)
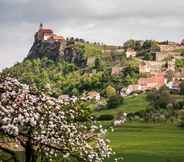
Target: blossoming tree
point(48, 128)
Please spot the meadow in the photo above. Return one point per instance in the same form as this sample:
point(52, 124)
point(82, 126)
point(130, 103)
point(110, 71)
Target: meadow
point(144, 142)
point(131, 104)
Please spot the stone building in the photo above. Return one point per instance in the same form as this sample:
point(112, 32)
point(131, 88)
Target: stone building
point(150, 67)
point(166, 51)
point(45, 34)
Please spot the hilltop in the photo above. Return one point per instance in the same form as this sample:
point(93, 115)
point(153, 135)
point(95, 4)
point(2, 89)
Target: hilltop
point(73, 66)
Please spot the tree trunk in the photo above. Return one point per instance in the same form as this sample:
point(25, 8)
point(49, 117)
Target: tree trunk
point(30, 155)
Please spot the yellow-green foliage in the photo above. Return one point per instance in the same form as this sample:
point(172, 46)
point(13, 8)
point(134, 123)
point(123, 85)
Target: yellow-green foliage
point(180, 50)
point(92, 50)
point(180, 63)
point(134, 62)
point(110, 91)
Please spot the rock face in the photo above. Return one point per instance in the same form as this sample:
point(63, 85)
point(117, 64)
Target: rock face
point(74, 55)
point(45, 49)
point(56, 51)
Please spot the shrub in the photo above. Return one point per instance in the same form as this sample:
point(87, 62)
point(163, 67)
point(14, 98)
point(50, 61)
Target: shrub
point(100, 107)
point(110, 91)
point(160, 98)
point(105, 117)
point(148, 56)
point(179, 63)
point(114, 101)
point(181, 119)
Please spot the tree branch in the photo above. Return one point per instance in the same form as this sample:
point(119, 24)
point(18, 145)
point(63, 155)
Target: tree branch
point(12, 153)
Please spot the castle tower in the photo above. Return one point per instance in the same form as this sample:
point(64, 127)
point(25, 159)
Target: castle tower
point(41, 26)
point(40, 34)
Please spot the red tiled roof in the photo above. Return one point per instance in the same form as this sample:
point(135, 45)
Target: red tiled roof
point(154, 81)
point(58, 37)
point(93, 93)
point(116, 70)
point(46, 31)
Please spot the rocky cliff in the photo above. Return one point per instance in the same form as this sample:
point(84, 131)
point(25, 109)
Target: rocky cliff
point(55, 50)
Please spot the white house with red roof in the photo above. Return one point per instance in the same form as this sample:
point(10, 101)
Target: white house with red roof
point(130, 53)
point(93, 95)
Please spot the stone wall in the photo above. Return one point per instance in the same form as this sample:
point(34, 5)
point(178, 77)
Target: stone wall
point(151, 67)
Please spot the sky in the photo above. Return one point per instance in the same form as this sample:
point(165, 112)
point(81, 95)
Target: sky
point(108, 21)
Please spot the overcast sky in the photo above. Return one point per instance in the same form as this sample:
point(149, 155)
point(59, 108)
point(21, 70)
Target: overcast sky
point(109, 21)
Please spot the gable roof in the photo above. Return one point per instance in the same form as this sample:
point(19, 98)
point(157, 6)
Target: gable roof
point(57, 37)
point(46, 31)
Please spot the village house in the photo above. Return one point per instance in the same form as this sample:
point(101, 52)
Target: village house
point(93, 95)
point(151, 67)
point(155, 81)
point(133, 88)
point(130, 53)
point(120, 119)
point(174, 85)
point(116, 70)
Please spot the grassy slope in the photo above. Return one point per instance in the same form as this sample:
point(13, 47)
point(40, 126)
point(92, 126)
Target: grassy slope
point(131, 104)
point(148, 143)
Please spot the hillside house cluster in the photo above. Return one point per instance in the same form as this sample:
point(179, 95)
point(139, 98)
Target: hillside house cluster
point(167, 51)
point(144, 84)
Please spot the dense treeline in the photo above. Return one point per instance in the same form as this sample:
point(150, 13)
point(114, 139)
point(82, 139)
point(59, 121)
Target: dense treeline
point(61, 77)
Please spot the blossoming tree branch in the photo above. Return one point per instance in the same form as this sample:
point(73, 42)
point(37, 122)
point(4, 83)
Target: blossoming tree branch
point(48, 128)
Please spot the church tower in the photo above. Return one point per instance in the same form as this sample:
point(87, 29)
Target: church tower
point(40, 34)
point(41, 26)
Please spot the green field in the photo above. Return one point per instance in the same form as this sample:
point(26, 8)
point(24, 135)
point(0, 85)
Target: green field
point(131, 104)
point(143, 142)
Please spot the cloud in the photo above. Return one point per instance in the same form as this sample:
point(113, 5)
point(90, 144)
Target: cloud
point(109, 21)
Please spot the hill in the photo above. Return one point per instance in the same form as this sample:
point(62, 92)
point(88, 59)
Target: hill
point(72, 66)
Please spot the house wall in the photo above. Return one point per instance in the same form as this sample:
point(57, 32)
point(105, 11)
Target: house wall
point(150, 67)
point(46, 37)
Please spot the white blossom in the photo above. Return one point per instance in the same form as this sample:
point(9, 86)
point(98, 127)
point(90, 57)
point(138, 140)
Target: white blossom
point(51, 125)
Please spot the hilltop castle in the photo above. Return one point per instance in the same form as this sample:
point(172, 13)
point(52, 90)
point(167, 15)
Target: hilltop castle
point(44, 34)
